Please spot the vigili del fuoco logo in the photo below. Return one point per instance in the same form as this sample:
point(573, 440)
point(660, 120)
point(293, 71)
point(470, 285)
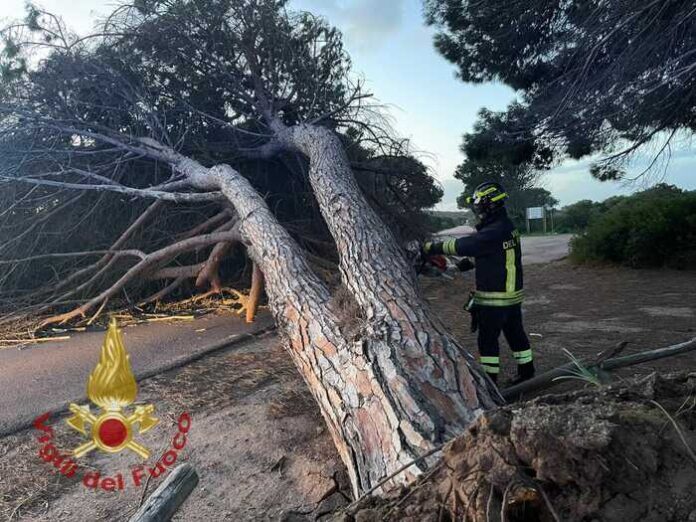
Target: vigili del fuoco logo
point(115, 425)
point(112, 388)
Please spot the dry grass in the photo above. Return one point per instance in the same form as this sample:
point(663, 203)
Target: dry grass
point(26, 489)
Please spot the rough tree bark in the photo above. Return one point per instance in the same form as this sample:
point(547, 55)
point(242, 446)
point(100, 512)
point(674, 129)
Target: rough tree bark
point(404, 386)
point(407, 338)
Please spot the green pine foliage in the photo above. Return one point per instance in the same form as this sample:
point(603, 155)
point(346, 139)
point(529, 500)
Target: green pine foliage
point(591, 76)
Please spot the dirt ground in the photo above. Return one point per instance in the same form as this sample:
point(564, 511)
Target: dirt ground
point(257, 442)
point(586, 310)
point(257, 439)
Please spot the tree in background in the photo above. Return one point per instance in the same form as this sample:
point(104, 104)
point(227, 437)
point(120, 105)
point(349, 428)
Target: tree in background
point(520, 182)
point(439, 220)
point(599, 76)
point(514, 161)
point(577, 216)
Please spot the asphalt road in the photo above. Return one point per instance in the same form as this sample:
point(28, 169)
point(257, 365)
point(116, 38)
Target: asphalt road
point(47, 377)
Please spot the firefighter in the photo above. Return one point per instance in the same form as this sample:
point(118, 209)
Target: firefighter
point(496, 305)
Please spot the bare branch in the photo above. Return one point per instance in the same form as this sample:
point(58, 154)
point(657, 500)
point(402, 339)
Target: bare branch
point(115, 253)
point(153, 259)
point(176, 197)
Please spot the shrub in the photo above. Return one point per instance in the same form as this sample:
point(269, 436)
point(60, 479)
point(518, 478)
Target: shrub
point(577, 217)
point(653, 228)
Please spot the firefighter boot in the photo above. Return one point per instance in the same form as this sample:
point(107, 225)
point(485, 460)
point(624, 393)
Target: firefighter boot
point(524, 372)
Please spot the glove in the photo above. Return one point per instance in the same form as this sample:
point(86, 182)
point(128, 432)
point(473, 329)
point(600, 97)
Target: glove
point(431, 249)
point(465, 265)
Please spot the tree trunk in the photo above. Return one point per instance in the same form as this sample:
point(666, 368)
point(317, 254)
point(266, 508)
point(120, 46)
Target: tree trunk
point(405, 386)
point(444, 387)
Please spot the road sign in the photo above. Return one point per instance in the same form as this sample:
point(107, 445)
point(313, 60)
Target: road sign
point(535, 213)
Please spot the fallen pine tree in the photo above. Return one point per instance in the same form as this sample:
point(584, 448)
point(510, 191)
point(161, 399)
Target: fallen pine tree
point(129, 111)
point(87, 227)
point(391, 382)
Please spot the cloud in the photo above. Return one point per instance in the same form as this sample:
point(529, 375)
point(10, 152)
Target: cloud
point(79, 15)
point(366, 23)
point(572, 181)
point(453, 188)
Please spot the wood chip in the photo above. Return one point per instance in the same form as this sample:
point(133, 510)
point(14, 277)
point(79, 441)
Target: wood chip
point(170, 318)
point(37, 340)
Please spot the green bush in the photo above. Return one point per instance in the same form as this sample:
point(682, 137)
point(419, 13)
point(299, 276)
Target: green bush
point(578, 216)
point(653, 228)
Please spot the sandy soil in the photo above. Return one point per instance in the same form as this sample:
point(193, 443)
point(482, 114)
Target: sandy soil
point(257, 442)
point(586, 310)
point(257, 439)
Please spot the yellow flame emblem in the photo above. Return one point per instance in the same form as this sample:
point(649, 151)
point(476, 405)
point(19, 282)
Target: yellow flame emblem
point(112, 387)
point(111, 384)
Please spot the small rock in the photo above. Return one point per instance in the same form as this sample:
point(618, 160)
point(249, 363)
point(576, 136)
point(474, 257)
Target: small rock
point(330, 504)
point(366, 515)
point(280, 465)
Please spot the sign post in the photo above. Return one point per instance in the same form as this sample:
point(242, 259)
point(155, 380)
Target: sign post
point(535, 213)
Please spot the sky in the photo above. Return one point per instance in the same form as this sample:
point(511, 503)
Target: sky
point(392, 50)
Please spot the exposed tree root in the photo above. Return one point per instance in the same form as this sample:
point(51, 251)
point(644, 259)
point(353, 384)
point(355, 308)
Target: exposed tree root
point(612, 454)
